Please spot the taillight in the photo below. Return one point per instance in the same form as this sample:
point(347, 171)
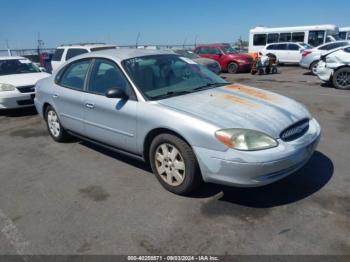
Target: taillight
point(306, 53)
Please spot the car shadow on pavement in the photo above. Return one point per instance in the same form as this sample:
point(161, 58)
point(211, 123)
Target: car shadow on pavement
point(18, 112)
point(303, 183)
point(118, 156)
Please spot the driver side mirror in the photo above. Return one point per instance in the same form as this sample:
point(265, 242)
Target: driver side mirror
point(116, 92)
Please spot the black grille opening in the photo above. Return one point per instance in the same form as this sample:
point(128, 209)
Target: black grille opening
point(295, 131)
point(25, 102)
point(26, 89)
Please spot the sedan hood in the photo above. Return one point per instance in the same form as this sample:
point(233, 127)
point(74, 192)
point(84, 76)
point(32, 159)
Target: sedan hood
point(240, 106)
point(241, 56)
point(23, 79)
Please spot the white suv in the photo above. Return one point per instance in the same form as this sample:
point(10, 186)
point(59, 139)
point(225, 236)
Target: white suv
point(65, 52)
point(285, 52)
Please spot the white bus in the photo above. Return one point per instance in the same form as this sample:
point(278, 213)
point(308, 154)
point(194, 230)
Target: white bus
point(344, 33)
point(313, 35)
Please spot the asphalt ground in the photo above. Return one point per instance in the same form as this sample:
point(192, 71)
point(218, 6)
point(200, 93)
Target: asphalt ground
point(77, 198)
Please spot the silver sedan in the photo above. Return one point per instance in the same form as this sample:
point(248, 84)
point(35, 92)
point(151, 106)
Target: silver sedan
point(189, 124)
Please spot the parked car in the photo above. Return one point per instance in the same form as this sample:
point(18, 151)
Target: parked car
point(285, 52)
point(229, 59)
point(188, 123)
point(334, 67)
point(310, 57)
point(65, 52)
point(18, 76)
point(211, 64)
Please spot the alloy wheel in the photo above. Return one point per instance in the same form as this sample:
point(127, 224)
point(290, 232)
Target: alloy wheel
point(170, 164)
point(343, 79)
point(53, 123)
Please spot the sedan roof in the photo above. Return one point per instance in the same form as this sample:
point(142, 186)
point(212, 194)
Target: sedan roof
point(125, 53)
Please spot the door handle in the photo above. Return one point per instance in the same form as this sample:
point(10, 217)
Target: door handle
point(89, 105)
point(54, 95)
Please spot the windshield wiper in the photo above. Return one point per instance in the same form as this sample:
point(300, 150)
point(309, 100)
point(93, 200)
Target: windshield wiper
point(171, 93)
point(210, 85)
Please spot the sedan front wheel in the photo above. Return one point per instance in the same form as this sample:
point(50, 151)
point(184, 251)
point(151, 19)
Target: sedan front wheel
point(341, 78)
point(174, 164)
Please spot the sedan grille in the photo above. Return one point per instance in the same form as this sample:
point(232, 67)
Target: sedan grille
point(26, 89)
point(295, 131)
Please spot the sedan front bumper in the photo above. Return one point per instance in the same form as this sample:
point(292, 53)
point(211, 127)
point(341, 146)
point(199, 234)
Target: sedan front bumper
point(258, 168)
point(15, 99)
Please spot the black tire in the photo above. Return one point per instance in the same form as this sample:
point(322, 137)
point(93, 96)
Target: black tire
point(313, 67)
point(341, 78)
point(61, 135)
point(192, 178)
point(232, 68)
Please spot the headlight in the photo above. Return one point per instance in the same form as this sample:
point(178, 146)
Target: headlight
point(6, 87)
point(245, 139)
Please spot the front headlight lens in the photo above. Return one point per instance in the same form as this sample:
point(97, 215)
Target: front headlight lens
point(6, 87)
point(245, 139)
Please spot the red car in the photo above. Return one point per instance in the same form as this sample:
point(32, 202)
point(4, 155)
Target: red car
point(229, 59)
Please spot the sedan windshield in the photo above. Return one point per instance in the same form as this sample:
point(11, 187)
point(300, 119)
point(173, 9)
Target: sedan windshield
point(163, 76)
point(229, 50)
point(17, 66)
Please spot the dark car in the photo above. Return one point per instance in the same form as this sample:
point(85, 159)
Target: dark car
point(229, 59)
point(211, 64)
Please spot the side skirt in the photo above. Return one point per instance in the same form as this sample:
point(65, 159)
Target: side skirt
point(112, 148)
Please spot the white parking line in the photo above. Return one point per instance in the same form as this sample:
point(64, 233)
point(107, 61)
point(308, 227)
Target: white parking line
point(12, 234)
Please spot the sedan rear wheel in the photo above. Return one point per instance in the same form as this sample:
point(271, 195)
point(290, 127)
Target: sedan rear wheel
point(54, 126)
point(313, 67)
point(341, 78)
point(174, 164)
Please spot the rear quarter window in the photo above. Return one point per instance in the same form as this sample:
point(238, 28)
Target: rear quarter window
point(57, 56)
point(72, 52)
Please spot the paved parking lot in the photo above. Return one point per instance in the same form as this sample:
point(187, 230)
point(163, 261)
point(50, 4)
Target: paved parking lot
point(76, 198)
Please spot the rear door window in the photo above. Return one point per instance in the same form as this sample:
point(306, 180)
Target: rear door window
point(74, 74)
point(281, 47)
point(72, 52)
point(293, 47)
point(57, 56)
